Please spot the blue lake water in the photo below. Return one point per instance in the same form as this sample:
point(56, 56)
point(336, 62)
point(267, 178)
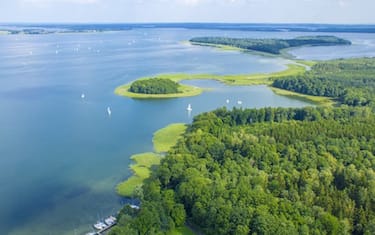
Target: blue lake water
point(61, 156)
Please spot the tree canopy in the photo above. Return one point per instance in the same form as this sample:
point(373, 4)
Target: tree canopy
point(154, 86)
point(265, 171)
point(273, 46)
point(350, 81)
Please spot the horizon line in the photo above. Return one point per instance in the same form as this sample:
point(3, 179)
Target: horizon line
point(202, 22)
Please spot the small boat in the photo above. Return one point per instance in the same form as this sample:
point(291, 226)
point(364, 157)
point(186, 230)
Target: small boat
point(134, 207)
point(109, 111)
point(82, 95)
point(227, 101)
point(100, 225)
point(239, 102)
point(110, 221)
point(189, 108)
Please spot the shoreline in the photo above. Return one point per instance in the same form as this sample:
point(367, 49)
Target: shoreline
point(317, 100)
point(163, 140)
point(185, 91)
point(293, 68)
point(145, 161)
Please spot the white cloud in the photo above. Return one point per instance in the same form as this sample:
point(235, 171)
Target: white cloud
point(44, 2)
point(216, 2)
point(343, 3)
point(191, 2)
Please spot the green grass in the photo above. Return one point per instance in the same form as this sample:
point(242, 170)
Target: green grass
point(168, 136)
point(309, 63)
point(163, 140)
point(237, 79)
point(141, 170)
point(233, 48)
point(219, 46)
point(318, 100)
point(181, 231)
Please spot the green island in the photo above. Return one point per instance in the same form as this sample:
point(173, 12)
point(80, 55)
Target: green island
point(270, 46)
point(154, 86)
point(182, 90)
point(271, 170)
point(238, 79)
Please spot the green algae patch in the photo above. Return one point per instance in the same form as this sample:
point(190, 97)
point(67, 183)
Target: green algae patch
point(317, 100)
point(167, 137)
point(164, 139)
point(141, 169)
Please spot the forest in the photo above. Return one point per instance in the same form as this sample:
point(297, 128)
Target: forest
point(349, 81)
point(273, 46)
point(264, 171)
point(154, 86)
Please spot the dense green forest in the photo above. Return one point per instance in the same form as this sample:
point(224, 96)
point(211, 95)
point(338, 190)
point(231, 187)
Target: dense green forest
point(265, 171)
point(273, 46)
point(154, 86)
point(350, 81)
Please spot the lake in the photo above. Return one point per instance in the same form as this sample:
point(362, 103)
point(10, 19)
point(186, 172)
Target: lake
point(62, 155)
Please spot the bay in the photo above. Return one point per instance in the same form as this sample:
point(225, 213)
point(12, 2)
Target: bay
point(61, 155)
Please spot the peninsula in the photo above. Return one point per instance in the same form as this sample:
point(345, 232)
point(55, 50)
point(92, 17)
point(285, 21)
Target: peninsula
point(150, 87)
point(270, 46)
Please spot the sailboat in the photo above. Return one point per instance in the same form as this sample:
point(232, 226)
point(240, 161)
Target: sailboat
point(189, 108)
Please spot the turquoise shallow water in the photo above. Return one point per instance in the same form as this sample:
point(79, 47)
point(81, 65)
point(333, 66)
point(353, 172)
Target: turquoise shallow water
point(61, 156)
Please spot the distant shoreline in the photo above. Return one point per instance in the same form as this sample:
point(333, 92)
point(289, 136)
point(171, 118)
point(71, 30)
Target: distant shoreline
point(269, 46)
point(50, 28)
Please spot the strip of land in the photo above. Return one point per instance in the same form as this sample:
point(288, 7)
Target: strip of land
point(141, 170)
point(317, 100)
point(167, 137)
point(237, 79)
point(163, 140)
point(293, 69)
point(272, 46)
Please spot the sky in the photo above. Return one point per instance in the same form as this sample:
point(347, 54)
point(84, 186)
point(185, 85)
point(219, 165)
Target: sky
point(227, 11)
